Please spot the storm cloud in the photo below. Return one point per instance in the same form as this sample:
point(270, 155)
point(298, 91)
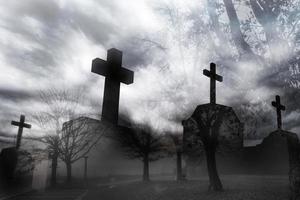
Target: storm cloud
point(50, 44)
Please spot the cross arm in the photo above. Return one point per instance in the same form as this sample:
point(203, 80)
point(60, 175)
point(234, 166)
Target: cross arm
point(206, 72)
point(218, 78)
point(15, 123)
point(99, 66)
point(123, 75)
point(276, 105)
point(214, 76)
point(26, 125)
point(282, 107)
point(126, 76)
point(19, 124)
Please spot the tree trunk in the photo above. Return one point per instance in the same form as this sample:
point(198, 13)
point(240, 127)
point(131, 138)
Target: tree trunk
point(69, 171)
point(242, 46)
point(223, 42)
point(54, 157)
point(146, 168)
point(179, 167)
point(214, 180)
point(266, 17)
point(53, 170)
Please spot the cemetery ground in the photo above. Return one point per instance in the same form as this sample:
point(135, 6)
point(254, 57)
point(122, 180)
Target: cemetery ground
point(236, 187)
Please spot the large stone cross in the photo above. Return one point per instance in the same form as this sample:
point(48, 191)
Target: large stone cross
point(279, 108)
point(21, 124)
point(213, 77)
point(114, 74)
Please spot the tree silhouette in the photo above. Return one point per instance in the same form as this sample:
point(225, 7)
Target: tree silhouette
point(213, 126)
point(59, 106)
point(175, 146)
point(242, 46)
point(140, 142)
point(78, 137)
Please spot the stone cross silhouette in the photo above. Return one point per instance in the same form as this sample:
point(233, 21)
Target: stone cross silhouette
point(279, 108)
point(21, 124)
point(213, 77)
point(114, 74)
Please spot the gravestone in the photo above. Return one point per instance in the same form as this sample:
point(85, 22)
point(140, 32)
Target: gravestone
point(16, 164)
point(293, 147)
point(40, 173)
point(114, 75)
point(212, 126)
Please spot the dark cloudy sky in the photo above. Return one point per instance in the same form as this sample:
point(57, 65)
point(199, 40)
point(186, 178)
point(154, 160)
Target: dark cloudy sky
point(50, 44)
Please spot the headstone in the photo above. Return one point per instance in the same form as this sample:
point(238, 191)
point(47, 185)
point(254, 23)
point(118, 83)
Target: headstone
point(293, 146)
point(114, 75)
point(40, 175)
point(16, 164)
point(213, 126)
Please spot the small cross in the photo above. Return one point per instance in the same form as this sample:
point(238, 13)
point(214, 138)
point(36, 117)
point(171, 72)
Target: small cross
point(279, 108)
point(21, 125)
point(213, 77)
point(114, 75)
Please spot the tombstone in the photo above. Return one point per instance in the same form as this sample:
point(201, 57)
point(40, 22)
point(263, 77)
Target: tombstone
point(114, 75)
point(293, 146)
point(16, 164)
point(41, 172)
point(261, 159)
point(212, 126)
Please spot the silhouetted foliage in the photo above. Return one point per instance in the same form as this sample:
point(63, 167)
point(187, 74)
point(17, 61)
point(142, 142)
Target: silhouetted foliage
point(140, 142)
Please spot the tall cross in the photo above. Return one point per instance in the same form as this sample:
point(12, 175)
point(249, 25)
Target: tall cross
point(21, 124)
point(279, 108)
point(213, 78)
point(114, 75)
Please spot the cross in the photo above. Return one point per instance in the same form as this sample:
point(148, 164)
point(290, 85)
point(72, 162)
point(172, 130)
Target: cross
point(114, 75)
point(21, 125)
point(279, 108)
point(213, 77)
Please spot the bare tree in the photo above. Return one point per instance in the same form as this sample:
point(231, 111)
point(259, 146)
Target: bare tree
point(139, 142)
point(59, 106)
point(176, 147)
point(78, 137)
